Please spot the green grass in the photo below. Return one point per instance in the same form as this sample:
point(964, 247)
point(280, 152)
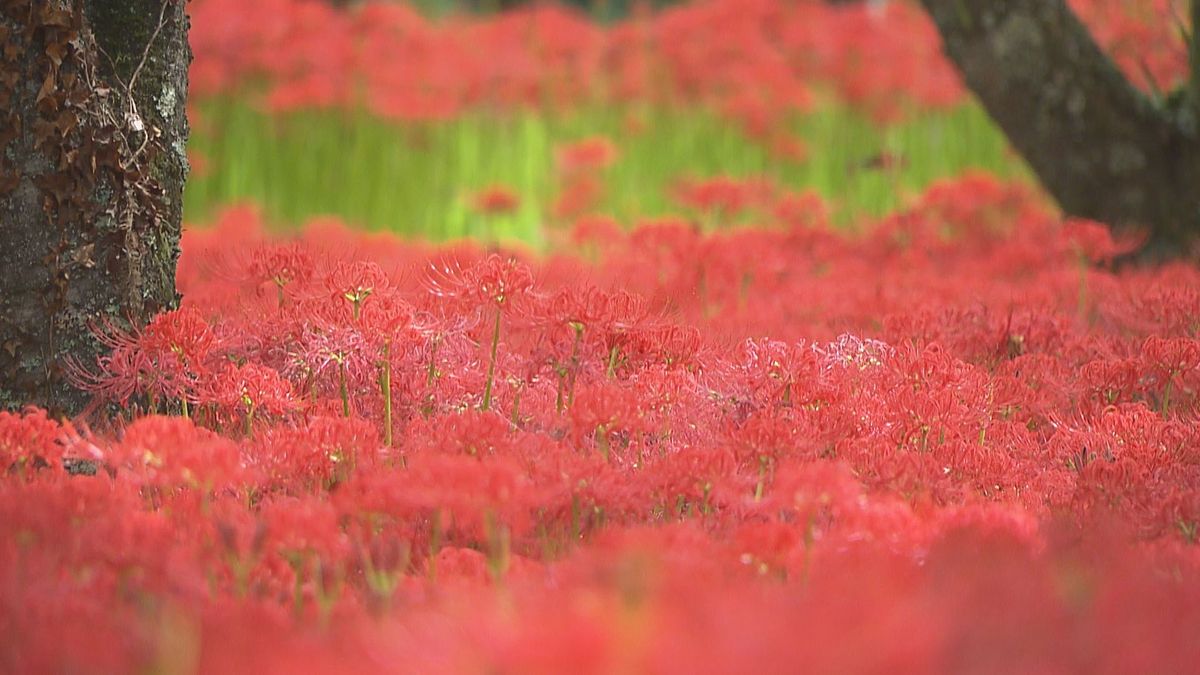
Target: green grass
point(418, 179)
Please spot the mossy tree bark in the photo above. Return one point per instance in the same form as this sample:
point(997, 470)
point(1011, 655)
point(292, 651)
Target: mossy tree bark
point(92, 167)
point(1100, 147)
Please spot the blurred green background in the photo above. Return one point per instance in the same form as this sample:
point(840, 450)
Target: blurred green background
point(421, 179)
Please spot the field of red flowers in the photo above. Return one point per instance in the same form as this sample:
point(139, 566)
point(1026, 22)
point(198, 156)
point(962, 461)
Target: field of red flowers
point(957, 439)
point(753, 59)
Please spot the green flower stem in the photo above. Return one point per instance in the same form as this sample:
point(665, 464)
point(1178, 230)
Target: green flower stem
point(491, 373)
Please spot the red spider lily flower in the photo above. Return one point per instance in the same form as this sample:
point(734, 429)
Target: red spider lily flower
point(494, 281)
point(314, 455)
point(605, 413)
point(1095, 241)
point(298, 529)
point(579, 195)
point(724, 195)
point(780, 373)
point(467, 492)
point(250, 392)
point(166, 360)
point(474, 433)
point(586, 156)
point(806, 210)
point(324, 349)
point(355, 282)
point(335, 356)
point(183, 333)
point(661, 344)
point(596, 230)
point(29, 440)
point(1111, 381)
point(1171, 355)
point(1170, 359)
point(390, 314)
point(496, 200)
point(587, 307)
point(281, 265)
point(172, 452)
point(789, 148)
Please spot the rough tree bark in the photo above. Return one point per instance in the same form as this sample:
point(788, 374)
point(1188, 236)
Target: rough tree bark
point(1102, 149)
point(92, 167)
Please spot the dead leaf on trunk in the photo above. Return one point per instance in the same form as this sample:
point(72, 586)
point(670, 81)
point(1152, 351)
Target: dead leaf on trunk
point(47, 87)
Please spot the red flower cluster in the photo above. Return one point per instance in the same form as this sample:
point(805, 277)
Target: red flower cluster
point(581, 168)
point(958, 441)
point(724, 195)
point(495, 200)
point(756, 60)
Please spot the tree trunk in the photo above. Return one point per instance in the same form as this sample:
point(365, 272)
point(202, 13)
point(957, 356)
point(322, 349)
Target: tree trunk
point(1100, 147)
point(92, 167)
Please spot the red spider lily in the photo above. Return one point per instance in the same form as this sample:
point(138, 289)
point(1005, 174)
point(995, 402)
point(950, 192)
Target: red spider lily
point(579, 195)
point(171, 453)
point(355, 282)
point(336, 355)
point(660, 344)
point(401, 336)
point(166, 360)
point(493, 281)
point(473, 433)
point(586, 156)
point(496, 200)
point(597, 230)
point(299, 530)
point(778, 373)
point(579, 325)
point(281, 266)
point(313, 456)
point(250, 391)
point(1139, 36)
point(789, 148)
point(1168, 359)
point(29, 440)
point(1095, 241)
point(392, 315)
point(608, 417)
point(805, 210)
point(724, 196)
point(1112, 381)
point(471, 499)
